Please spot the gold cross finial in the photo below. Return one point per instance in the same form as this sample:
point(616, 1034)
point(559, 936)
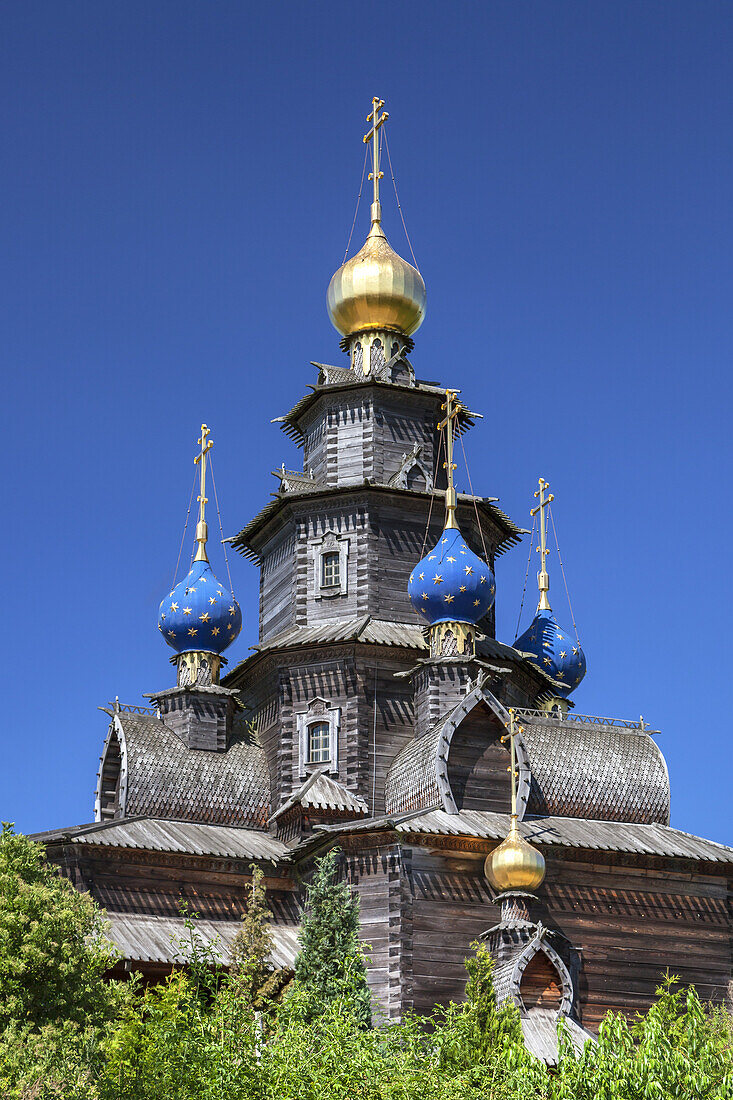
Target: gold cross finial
point(202, 530)
point(543, 578)
point(377, 122)
point(452, 408)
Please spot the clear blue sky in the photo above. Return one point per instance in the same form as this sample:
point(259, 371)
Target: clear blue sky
point(178, 185)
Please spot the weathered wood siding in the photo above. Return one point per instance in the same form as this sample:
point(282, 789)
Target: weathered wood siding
point(632, 923)
point(629, 923)
point(381, 878)
point(277, 579)
point(478, 763)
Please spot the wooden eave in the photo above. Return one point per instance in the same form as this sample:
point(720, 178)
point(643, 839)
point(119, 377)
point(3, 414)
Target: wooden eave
point(249, 540)
point(290, 421)
point(547, 687)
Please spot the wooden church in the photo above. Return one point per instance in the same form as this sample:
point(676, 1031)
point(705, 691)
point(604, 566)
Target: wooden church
point(380, 714)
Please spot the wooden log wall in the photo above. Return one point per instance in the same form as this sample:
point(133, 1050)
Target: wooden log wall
point(478, 763)
point(632, 923)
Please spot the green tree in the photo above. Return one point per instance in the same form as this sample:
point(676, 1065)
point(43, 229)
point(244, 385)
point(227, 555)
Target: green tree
point(254, 975)
point(53, 953)
point(330, 964)
point(679, 1048)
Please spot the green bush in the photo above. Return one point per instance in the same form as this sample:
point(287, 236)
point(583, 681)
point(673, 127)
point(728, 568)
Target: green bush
point(202, 1034)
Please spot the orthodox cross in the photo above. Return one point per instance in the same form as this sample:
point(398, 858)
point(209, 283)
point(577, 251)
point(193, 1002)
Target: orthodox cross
point(543, 579)
point(377, 122)
point(513, 768)
point(452, 408)
point(202, 531)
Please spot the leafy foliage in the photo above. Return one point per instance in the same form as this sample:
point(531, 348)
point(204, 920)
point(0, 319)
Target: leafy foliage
point(200, 1036)
point(255, 976)
point(52, 947)
point(331, 965)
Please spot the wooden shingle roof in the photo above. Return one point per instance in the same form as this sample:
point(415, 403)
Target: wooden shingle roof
point(549, 832)
point(162, 777)
point(567, 768)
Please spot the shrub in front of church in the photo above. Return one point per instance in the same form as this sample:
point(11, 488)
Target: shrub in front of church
point(199, 1036)
point(331, 966)
point(253, 973)
point(53, 952)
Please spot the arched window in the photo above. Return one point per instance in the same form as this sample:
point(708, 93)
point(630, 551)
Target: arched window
point(330, 569)
point(377, 359)
point(319, 743)
point(318, 736)
point(358, 358)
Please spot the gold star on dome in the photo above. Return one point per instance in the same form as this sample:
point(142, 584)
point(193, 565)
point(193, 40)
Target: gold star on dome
point(190, 591)
point(477, 603)
point(160, 628)
point(432, 557)
point(546, 661)
point(205, 617)
point(451, 559)
point(444, 540)
point(437, 579)
point(560, 675)
point(483, 580)
point(463, 588)
point(171, 633)
point(192, 631)
point(232, 610)
point(421, 576)
point(174, 607)
point(231, 626)
point(202, 580)
point(220, 592)
point(212, 599)
point(449, 598)
point(469, 570)
point(492, 589)
point(575, 650)
point(559, 636)
point(424, 595)
point(187, 611)
point(162, 615)
point(563, 653)
point(215, 630)
point(411, 576)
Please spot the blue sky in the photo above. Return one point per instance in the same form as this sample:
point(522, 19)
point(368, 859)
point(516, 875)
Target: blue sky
point(178, 185)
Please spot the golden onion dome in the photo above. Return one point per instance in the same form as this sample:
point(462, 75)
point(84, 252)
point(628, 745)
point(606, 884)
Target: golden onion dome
point(376, 289)
point(515, 864)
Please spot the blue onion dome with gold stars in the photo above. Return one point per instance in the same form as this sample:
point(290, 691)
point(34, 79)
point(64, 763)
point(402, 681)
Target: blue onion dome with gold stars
point(554, 650)
point(200, 614)
point(452, 584)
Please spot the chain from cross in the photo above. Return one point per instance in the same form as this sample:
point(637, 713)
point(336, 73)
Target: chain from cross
point(377, 122)
point(543, 578)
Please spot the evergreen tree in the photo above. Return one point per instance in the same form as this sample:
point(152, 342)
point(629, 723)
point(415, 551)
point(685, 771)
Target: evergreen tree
point(331, 964)
point(254, 975)
point(53, 953)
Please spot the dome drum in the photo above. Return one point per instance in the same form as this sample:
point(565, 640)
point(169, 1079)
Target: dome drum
point(198, 668)
point(370, 351)
point(450, 639)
